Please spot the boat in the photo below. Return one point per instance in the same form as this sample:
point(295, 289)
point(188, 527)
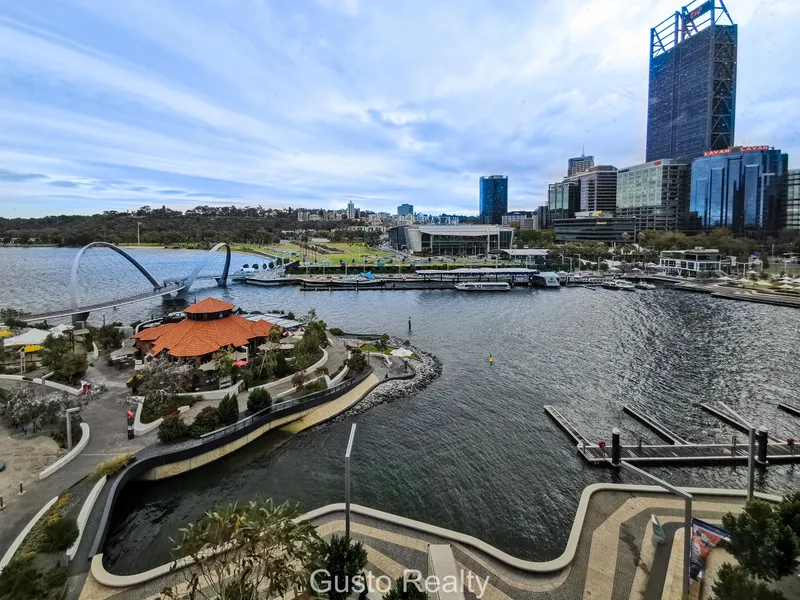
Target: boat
point(483, 286)
point(643, 285)
point(625, 286)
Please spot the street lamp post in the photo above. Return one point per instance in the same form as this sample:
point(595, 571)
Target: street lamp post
point(751, 451)
point(687, 540)
point(347, 482)
point(69, 426)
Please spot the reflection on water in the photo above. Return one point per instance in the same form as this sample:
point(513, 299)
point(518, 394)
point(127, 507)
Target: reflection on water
point(475, 452)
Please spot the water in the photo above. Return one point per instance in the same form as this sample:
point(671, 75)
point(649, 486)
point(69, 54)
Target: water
point(475, 452)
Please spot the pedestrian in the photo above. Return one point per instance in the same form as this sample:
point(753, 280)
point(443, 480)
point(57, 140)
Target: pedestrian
point(409, 324)
point(491, 361)
point(405, 366)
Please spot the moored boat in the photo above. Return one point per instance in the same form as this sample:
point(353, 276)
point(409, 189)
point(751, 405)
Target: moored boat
point(483, 286)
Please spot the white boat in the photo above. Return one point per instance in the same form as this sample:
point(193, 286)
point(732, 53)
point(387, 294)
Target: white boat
point(643, 285)
point(483, 286)
point(625, 286)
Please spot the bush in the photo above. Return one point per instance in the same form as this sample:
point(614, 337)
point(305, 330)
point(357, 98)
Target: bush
point(172, 429)
point(59, 535)
point(259, 399)
point(336, 331)
point(323, 370)
point(315, 386)
point(282, 367)
point(60, 435)
point(357, 361)
point(206, 420)
point(20, 580)
point(228, 410)
point(298, 379)
point(110, 467)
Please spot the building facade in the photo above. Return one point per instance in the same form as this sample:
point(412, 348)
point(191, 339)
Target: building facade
point(515, 217)
point(405, 210)
point(598, 189)
point(351, 210)
point(742, 188)
point(692, 86)
point(493, 199)
point(656, 194)
point(460, 240)
point(579, 164)
point(689, 263)
point(595, 227)
point(564, 198)
point(792, 218)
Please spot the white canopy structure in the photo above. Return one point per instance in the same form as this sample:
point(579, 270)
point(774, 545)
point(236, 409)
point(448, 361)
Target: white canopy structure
point(30, 337)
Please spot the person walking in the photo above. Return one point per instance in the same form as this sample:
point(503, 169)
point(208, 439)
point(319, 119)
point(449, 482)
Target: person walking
point(491, 361)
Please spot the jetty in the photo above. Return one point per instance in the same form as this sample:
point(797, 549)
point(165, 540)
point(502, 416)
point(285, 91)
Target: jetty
point(679, 452)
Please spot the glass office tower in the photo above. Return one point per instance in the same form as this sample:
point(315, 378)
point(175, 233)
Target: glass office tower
point(692, 91)
point(494, 199)
point(742, 188)
point(792, 218)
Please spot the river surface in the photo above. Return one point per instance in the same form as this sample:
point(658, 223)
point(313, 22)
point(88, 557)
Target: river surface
point(475, 451)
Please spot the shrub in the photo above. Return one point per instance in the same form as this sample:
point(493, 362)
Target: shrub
point(336, 331)
point(315, 386)
point(60, 435)
point(357, 361)
point(206, 420)
point(228, 410)
point(20, 580)
point(172, 429)
point(259, 399)
point(323, 370)
point(158, 405)
point(110, 467)
point(59, 535)
point(282, 367)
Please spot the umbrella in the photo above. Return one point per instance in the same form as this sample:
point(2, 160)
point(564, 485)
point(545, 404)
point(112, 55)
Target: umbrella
point(786, 286)
point(786, 280)
point(636, 269)
point(32, 348)
point(239, 363)
point(209, 366)
point(764, 282)
point(743, 281)
point(6, 333)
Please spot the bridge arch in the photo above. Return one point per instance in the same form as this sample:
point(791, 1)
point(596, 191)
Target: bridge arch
point(221, 281)
point(73, 281)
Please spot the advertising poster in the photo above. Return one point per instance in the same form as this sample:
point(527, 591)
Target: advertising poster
point(705, 537)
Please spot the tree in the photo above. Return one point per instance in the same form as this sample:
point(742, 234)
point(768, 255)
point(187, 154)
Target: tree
point(223, 362)
point(54, 350)
point(401, 591)
point(173, 429)
point(261, 551)
point(763, 544)
point(275, 335)
point(206, 420)
point(357, 361)
point(228, 410)
point(259, 399)
point(343, 560)
point(735, 583)
point(108, 337)
point(74, 365)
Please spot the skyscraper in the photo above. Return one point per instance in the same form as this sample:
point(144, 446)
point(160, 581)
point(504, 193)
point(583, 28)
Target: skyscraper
point(493, 199)
point(598, 188)
point(742, 188)
point(656, 194)
point(405, 210)
point(792, 217)
point(692, 93)
point(351, 210)
point(579, 164)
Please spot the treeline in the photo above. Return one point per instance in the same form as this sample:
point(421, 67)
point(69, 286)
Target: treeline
point(202, 224)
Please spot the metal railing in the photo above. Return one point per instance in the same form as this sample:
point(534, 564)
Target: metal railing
point(287, 407)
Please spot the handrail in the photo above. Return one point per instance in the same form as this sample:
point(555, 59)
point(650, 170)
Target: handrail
point(283, 407)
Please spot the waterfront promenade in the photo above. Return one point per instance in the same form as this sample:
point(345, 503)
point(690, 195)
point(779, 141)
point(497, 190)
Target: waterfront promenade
point(609, 555)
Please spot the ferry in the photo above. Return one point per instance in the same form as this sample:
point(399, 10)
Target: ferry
point(619, 285)
point(643, 285)
point(483, 286)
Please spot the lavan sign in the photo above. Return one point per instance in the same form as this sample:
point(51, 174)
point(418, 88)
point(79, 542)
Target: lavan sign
point(736, 149)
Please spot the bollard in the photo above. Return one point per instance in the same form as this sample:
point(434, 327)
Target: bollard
point(21, 490)
point(616, 448)
point(761, 440)
point(2, 504)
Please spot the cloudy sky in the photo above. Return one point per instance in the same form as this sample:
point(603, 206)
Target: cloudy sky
point(110, 105)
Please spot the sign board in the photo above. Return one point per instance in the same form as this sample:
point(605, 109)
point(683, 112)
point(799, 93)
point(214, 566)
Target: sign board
point(736, 149)
point(658, 530)
point(225, 381)
point(696, 12)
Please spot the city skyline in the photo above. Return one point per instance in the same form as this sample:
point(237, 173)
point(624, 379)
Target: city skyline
point(153, 104)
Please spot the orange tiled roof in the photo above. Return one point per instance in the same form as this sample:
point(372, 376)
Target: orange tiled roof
point(208, 305)
point(197, 338)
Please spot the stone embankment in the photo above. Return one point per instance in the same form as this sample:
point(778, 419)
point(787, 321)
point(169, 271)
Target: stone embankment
point(428, 367)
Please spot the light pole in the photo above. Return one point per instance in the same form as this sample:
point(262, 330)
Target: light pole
point(347, 482)
point(138, 241)
point(751, 451)
point(687, 540)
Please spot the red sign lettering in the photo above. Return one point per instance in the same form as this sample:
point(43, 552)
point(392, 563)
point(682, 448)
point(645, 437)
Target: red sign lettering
point(736, 149)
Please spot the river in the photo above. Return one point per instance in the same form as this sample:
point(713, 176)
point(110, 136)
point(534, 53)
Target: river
point(475, 451)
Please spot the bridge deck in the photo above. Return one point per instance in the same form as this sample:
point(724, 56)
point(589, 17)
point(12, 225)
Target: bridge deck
point(792, 410)
point(688, 454)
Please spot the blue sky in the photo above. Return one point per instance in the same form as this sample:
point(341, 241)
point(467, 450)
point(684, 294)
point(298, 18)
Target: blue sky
point(111, 105)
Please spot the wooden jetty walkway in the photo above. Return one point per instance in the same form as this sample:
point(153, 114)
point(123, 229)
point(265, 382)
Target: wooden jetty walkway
point(678, 453)
point(792, 410)
point(662, 430)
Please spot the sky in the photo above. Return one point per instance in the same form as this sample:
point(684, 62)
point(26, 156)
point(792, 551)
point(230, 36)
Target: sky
point(115, 105)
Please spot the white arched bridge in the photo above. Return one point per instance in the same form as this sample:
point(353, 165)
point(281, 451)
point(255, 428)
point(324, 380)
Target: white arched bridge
point(79, 310)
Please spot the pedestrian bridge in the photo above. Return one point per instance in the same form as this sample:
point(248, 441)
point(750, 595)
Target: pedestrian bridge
point(79, 310)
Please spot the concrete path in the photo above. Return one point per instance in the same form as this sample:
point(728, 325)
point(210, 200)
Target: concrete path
point(108, 437)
